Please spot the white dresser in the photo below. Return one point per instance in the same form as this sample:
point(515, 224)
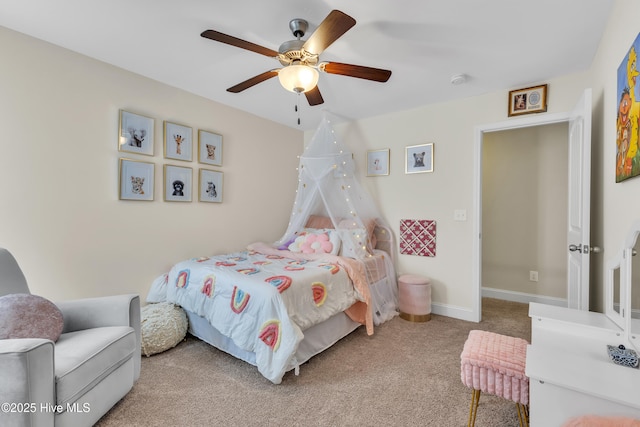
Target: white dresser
point(569, 370)
point(570, 373)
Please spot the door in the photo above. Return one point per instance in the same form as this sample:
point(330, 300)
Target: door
point(578, 230)
point(578, 205)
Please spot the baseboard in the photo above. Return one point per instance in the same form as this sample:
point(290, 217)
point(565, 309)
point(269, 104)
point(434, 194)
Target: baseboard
point(452, 311)
point(522, 297)
point(468, 314)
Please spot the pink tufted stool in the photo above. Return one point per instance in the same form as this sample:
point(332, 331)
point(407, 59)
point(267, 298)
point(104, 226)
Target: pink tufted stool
point(494, 363)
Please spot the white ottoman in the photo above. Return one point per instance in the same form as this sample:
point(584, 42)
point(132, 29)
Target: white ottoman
point(162, 326)
point(414, 298)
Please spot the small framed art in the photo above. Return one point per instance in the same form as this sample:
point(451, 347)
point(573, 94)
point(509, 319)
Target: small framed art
point(209, 148)
point(136, 180)
point(210, 186)
point(178, 142)
point(135, 133)
point(378, 162)
point(177, 183)
point(528, 100)
point(419, 158)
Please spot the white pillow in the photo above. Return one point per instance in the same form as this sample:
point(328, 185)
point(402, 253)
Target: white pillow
point(158, 291)
point(318, 241)
point(354, 243)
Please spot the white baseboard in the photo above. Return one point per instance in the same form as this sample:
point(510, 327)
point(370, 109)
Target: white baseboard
point(468, 314)
point(522, 297)
point(453, 311)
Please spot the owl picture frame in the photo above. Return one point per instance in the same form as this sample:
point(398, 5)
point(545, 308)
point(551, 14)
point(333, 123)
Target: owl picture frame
point(136, 180)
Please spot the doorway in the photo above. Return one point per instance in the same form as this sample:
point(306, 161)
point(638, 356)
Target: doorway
point(524, 211)
point(480, 131)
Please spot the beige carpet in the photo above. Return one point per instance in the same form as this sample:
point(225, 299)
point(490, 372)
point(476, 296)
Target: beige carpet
point(406, 374)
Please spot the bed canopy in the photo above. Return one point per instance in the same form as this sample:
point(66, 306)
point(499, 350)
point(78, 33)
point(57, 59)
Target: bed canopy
point(330, 196)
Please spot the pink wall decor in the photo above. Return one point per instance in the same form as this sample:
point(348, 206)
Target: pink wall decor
point(418, 237)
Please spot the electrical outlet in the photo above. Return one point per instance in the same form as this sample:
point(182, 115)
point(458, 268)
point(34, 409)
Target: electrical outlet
point(533, 276)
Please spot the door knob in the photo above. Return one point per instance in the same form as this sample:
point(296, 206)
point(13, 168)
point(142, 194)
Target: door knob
point(584, 249)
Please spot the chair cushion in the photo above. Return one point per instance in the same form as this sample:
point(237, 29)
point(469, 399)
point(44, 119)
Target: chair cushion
point(29, 316)
point(83, 358)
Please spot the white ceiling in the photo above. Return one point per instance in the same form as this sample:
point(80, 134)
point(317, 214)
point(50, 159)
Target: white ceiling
point(499, 44)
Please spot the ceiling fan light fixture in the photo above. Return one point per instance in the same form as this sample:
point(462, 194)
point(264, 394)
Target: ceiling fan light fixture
point(298, 78)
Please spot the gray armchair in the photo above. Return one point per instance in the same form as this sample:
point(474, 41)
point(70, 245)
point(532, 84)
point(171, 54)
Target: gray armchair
point(77, 379)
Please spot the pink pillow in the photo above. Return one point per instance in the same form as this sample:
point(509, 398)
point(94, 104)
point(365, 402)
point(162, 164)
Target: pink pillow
point(29, 316)
point(316, 242)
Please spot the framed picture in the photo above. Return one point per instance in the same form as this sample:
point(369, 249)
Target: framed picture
point(178, 142)
point(378, 162)
point(210, 186)
point(528, 100)
point(209, 148)
point(419, 158)
point(135, 133)
point(627, 112)
point(135, 180)
point(177, 183)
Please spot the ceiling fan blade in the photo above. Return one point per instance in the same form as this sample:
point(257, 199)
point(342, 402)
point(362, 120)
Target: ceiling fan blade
point(234, 41)
point(359, 71)
point(331, 29)
point(314, 97)
point(253, 81)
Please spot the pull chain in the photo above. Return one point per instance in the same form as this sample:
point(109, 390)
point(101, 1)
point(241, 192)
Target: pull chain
point(298, 109)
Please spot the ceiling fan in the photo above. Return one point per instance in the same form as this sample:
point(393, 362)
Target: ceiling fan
point(300, 58)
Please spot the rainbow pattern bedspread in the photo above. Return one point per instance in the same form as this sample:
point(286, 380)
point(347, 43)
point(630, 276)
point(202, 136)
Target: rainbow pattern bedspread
point(262, 302)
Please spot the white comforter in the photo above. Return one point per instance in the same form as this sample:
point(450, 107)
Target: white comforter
point(262, 302)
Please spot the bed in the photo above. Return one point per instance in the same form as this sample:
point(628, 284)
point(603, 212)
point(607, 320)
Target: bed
point(275, 308)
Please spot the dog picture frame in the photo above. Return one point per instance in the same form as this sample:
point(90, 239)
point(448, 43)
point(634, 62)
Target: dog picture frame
point(178, 142)
point(136, 180)
point(378, 162)
point(528, 100)
point(210, 186)
point(135, 133)
point(209, 148)
point(177, 183)
point(419, 158)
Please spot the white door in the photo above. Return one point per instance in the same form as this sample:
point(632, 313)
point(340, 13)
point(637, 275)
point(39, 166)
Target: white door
point(578, 242)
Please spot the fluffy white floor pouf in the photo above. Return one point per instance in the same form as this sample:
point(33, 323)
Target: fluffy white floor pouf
point(163, 325)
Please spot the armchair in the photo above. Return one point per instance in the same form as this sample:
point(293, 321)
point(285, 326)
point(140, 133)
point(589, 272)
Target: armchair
point(77, 379)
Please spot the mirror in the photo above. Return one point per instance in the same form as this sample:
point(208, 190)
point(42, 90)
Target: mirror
point(634, 296)
point(614, 299)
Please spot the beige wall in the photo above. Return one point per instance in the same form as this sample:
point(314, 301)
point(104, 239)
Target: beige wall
point(61, 216)
point(451, 127)
point(619, 204)
point(524, 210)
point(74, 238)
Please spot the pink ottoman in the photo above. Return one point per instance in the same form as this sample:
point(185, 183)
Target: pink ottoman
point(494, 363)
point(414, 298)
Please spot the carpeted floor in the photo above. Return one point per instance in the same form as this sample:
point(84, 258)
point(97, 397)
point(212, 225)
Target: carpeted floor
point(405, 374)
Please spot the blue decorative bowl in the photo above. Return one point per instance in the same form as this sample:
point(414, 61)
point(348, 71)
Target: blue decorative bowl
point(623, 356)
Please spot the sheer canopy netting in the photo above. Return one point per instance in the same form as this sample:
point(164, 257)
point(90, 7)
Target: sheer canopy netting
point(328, 189)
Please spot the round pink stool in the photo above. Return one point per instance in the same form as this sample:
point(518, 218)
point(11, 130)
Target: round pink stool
point(414, 298)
